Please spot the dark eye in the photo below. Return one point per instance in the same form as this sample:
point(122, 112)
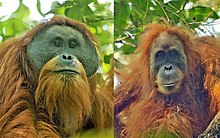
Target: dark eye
point(57, 42)
point(159, 54)
point(73, 44)
point(173, 52)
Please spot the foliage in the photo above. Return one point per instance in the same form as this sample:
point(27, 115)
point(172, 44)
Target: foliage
point(132, 15)
point(97, 16)
point(14, 25)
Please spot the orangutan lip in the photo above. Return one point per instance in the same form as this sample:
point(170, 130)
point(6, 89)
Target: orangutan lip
point(67, 71)
point(169, 85)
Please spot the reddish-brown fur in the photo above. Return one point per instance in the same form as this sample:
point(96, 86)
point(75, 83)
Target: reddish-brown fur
point(22, 110)
point(140, 111)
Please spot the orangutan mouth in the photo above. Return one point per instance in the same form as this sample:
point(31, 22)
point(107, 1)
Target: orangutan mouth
point(68, 71)
point(169, 85)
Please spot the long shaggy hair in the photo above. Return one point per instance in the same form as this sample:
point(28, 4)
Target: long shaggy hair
point(28, 103)
point(140, 111)
point(66, 98)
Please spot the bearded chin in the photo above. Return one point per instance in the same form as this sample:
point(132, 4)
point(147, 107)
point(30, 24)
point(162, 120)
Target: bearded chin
point(63, 101)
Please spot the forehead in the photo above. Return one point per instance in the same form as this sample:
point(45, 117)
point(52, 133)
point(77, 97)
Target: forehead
point(63, 31)
point(166, 41)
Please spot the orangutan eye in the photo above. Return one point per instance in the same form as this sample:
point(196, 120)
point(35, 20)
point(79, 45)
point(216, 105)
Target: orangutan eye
point(57, 42)
point(173, 53)
point(159, 54)
point(72, 44)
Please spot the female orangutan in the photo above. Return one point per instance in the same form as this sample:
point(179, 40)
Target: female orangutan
point(169, 86)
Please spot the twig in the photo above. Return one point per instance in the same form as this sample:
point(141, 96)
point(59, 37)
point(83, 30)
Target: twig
point(133, 45)
point(125, 43)
point(207, 23)
point(209, 14)
point(179, 18)
point(206, 30)
point(146, 11)
point(182, 8)
point(119, 40)
point(163, 10)
point(136, 12)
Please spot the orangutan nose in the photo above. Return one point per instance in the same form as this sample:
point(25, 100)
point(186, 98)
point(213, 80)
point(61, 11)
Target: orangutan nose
point(68, 59)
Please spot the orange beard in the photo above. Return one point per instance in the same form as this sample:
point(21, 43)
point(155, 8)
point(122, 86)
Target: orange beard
point(63, 99)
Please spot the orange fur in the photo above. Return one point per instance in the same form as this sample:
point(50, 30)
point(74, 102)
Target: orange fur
point(143, 112)
point(27, 101)
point(209, 48)
point(68, 96)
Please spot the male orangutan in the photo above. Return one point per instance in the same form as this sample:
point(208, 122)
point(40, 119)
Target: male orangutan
point(167, 89)
point(47, 82)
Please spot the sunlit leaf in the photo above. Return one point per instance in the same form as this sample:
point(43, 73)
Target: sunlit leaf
point(128, 49)
point(22, 12)
point(199, 13)
point(13, 27)
point(39, 8)
point(121, 11)
point(107, 58)
point(57, 8)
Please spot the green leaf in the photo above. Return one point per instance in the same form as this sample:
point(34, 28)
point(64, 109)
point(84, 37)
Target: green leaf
point(57, 8)
point(55, 5)
point(13, 27)
point(140, 5)
point(128, 49)
point(106, 68)
point(157, 10)
point(193, 1)
point(199, 13)
point(214, 15)
point(39, 8)
point(78, 13)
point(1, 28)
point(74, 12)
point(66, 4)
point(174, 5)
point(87, 11)
point(121, 11)
point(107, 58)
point(83, 2)
point(103, 36)
point(22, 12)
